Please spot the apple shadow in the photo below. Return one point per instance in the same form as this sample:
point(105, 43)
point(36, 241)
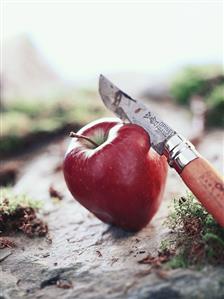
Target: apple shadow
point(118, 233)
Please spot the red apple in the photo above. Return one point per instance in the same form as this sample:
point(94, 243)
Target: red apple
point(117, 176)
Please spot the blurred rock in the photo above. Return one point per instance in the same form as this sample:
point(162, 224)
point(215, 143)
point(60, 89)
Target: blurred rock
point(159, 91)
point(24, 71)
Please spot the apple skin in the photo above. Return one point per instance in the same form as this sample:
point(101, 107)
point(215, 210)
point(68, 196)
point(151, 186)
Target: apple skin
point(121, 181)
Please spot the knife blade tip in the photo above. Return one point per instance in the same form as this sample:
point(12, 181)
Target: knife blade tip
point(103, 84)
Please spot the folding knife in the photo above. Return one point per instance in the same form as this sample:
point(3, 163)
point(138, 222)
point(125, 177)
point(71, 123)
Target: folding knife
point(201, 178)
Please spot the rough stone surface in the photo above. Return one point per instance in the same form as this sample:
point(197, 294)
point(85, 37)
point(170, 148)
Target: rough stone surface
point(96, 260)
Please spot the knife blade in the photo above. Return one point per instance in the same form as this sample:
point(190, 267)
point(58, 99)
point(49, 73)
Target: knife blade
point(197, 173)
point(127, 108)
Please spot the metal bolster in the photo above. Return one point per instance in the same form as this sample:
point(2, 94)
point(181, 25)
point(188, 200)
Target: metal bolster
point(179, 152)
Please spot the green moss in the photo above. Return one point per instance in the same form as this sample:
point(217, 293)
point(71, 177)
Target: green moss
point(215, 104)
point(194, 80)
point(197, 239)
point(205, 81)
point(18, 213)
point(46, 125)
point(23, 117)
point(178, 261)
point(187, 83)
point(14, 123)
point(10, 202)
point(31, 108)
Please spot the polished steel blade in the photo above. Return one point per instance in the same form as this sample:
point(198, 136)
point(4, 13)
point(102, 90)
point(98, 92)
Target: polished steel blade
point(136, 112)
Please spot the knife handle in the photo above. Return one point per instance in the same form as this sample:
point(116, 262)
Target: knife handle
point(207, 185)
point(201, 178)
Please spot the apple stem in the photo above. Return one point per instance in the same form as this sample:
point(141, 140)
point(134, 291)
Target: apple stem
point(79, 136)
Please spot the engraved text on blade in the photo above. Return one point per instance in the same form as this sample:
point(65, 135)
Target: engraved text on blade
point(159, 125)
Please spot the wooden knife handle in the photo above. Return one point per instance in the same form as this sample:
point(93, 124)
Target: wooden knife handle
point(207, 185)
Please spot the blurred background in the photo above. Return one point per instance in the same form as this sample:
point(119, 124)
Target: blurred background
point(170, 54)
